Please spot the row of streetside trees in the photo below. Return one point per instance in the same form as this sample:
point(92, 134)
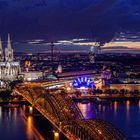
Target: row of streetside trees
point(107, 91)
point(5, 95)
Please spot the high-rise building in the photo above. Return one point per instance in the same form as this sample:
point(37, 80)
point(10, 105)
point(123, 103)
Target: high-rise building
point(9, 70)
point(94, 50)
point(106, 76)
point(59, 69)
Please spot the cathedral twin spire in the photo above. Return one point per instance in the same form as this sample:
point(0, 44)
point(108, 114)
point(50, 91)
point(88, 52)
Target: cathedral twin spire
point(1, 51)
point(9, 42)
point(8, 51)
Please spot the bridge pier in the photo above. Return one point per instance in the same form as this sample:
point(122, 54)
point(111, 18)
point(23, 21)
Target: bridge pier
point(56, 135)
point(28, 109)
point(59, 107)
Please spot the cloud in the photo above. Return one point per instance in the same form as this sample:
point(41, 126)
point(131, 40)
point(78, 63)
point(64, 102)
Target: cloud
point(115, 48)
point(67, 19)
point(63, 46)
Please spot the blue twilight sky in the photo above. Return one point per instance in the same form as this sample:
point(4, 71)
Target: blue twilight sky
point(54, 20)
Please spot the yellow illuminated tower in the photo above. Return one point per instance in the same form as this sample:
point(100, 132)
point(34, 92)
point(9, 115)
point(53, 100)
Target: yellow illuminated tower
point(27, 65)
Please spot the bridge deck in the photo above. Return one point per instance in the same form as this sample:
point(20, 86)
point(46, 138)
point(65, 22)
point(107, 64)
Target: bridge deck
point(64, 114)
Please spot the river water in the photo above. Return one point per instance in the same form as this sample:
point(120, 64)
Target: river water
point(124, 115)
point(15, 125)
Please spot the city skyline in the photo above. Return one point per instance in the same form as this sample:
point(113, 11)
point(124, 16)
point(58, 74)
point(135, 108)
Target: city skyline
point(121, 43)
point(70, 69)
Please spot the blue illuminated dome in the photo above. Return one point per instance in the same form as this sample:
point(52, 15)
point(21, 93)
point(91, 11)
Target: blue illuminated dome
point(83, 81)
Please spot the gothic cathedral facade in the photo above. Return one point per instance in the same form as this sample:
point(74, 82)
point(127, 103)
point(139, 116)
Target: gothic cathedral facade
point(9, 69)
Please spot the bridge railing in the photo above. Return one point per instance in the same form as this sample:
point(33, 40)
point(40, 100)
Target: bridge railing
point(67, 117)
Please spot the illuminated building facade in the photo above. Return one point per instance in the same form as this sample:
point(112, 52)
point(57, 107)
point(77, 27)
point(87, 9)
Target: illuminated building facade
point(106, 76)
point(32, 75)
point(59, 69)
point(9, 70)
point(27, 65)
point(93, 51)
point(83, 82)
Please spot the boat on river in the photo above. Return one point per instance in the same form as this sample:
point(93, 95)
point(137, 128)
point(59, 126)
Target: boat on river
point(102, 101)
point(85, 101)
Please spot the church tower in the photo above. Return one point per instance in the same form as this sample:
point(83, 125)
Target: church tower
point(9, 69)
point(9, 51)
point(59, 69)
point(1, 52)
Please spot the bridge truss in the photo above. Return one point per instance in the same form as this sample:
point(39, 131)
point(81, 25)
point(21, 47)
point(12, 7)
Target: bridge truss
point(64, 114)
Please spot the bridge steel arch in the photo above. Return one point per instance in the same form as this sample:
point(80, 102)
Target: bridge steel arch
point(64, 114)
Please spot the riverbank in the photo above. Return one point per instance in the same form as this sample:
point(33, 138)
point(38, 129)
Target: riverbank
point(107, 97)
point(119, 97)
point(12, 102)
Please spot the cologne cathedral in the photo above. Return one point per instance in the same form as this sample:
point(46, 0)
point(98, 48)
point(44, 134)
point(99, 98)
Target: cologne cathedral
point(9, 70)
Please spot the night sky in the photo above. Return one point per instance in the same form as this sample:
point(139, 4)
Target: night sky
point(54, 20)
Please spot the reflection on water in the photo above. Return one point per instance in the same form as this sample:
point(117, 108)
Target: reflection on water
point(127, 109)
point(124, 115)
point(86, 110)
point(99, 107)
point(127, 105)
point(139, 104)
point(0, 112)
point(15, 112)
point(115, 108)
point(13, 126)
point(29, 127)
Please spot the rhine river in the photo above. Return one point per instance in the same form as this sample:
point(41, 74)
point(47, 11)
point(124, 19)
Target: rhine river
point(15, 125)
